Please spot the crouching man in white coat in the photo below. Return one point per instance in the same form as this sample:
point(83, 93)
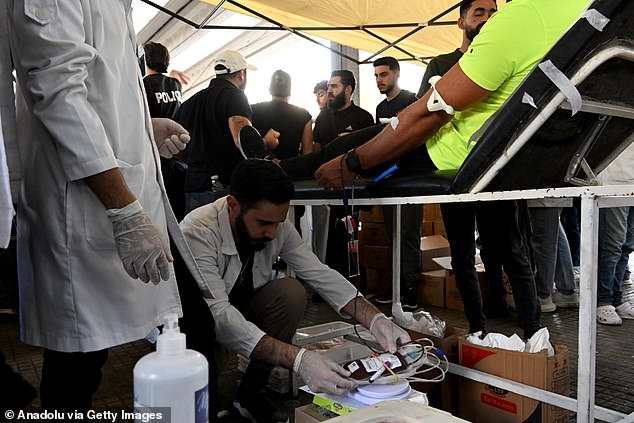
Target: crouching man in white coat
point(235, 241)
point(92, 217)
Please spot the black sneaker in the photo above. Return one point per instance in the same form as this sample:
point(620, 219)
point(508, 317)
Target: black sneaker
point(257, 407)
point(409, 301)
point(384, 298)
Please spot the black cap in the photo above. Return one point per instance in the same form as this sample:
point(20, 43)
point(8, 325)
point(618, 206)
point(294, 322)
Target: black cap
point(280, 84)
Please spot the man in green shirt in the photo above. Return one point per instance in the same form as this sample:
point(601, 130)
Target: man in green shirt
point(508, 47)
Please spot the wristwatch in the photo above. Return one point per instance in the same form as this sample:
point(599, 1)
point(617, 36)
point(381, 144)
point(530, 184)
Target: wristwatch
point(352, 161)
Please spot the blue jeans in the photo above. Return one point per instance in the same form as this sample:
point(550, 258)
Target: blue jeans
point(616, 242)
point(551, 252)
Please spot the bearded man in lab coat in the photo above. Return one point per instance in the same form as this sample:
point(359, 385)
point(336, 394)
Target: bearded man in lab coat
point(93, 214)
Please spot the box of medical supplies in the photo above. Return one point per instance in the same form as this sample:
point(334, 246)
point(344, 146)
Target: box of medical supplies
point(431, 247)
point(432, 289)
point(486, 403)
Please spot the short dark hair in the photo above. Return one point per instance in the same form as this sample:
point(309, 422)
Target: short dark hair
point(320, 86)
point(280, 84)
point(347, 77)
point(465, 5)
point(157, 57)
point(255, 180)
point(387, 61)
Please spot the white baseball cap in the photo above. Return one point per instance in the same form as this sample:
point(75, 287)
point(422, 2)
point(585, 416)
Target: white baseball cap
point(230, 61)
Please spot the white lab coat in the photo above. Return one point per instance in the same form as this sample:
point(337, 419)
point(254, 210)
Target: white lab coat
point(82, 112)
point(208, 231)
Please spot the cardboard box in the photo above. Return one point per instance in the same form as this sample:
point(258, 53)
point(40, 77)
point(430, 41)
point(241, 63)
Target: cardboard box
point(487, 403)
point(432, 289)
point(373, 234)
point(427, 228)
point(375, 257)
point(431, 247)
point(375, 214)
point(311, 413)
point(376, 280)
point(453, 300)
point(431, 212)
point(439, 227)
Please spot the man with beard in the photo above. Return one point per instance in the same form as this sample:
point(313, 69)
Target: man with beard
point(342, 115)
point(386, 73)
point(488, 215)
point(235, 240)
point(473, 15)
point(214, 118)
point(444, 119)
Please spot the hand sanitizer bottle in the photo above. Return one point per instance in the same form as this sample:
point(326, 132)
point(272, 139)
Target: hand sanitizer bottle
point(171, 380)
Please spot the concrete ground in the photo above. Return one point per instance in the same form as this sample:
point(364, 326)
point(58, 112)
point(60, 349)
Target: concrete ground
point(614, 369)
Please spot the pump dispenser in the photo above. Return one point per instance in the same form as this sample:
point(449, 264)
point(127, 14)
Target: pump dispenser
point(172, 380)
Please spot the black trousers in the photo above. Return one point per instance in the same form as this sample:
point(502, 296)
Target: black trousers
point(502, 238)
point(69, 380)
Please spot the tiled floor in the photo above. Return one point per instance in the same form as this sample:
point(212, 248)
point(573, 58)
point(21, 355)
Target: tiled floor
point(614, 369)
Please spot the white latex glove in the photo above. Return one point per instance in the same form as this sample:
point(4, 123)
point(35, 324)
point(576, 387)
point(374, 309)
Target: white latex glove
point(170, 137)
point(321, 374)
point(140, 244)
point(388, 334)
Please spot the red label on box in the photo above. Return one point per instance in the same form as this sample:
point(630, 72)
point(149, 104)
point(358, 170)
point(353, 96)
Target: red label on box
point(497, 402)
point(471, 355)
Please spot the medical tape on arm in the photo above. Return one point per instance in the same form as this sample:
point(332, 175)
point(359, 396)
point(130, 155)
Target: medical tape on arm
point(436, 103)
point(564, 84)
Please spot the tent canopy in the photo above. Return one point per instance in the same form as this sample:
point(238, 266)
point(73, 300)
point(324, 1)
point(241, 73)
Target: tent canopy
point(405, 29)
point(419, 29)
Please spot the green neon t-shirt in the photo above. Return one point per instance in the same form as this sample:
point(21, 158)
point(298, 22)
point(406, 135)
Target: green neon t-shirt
point(508, 47)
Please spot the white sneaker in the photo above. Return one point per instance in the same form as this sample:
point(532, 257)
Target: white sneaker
point(566, 300)
point(625, 311)
point(546, 304)
point(607, 315)
point(576, 270)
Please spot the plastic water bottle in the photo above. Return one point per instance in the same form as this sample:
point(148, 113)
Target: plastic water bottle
point(172, 380)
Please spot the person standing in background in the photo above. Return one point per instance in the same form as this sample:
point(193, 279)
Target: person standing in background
point(387, 71)
point(321, 94)
point(164, 98)
point(163, 92)
point(342, 115)
point(214, 117)
point(293, 124)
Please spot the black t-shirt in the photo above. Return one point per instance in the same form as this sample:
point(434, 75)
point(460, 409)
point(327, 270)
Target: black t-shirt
point(330, 123)
point(285, 118)
point(211, 150)
point(439, 65)
point(388, 109)
point(163, 95)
